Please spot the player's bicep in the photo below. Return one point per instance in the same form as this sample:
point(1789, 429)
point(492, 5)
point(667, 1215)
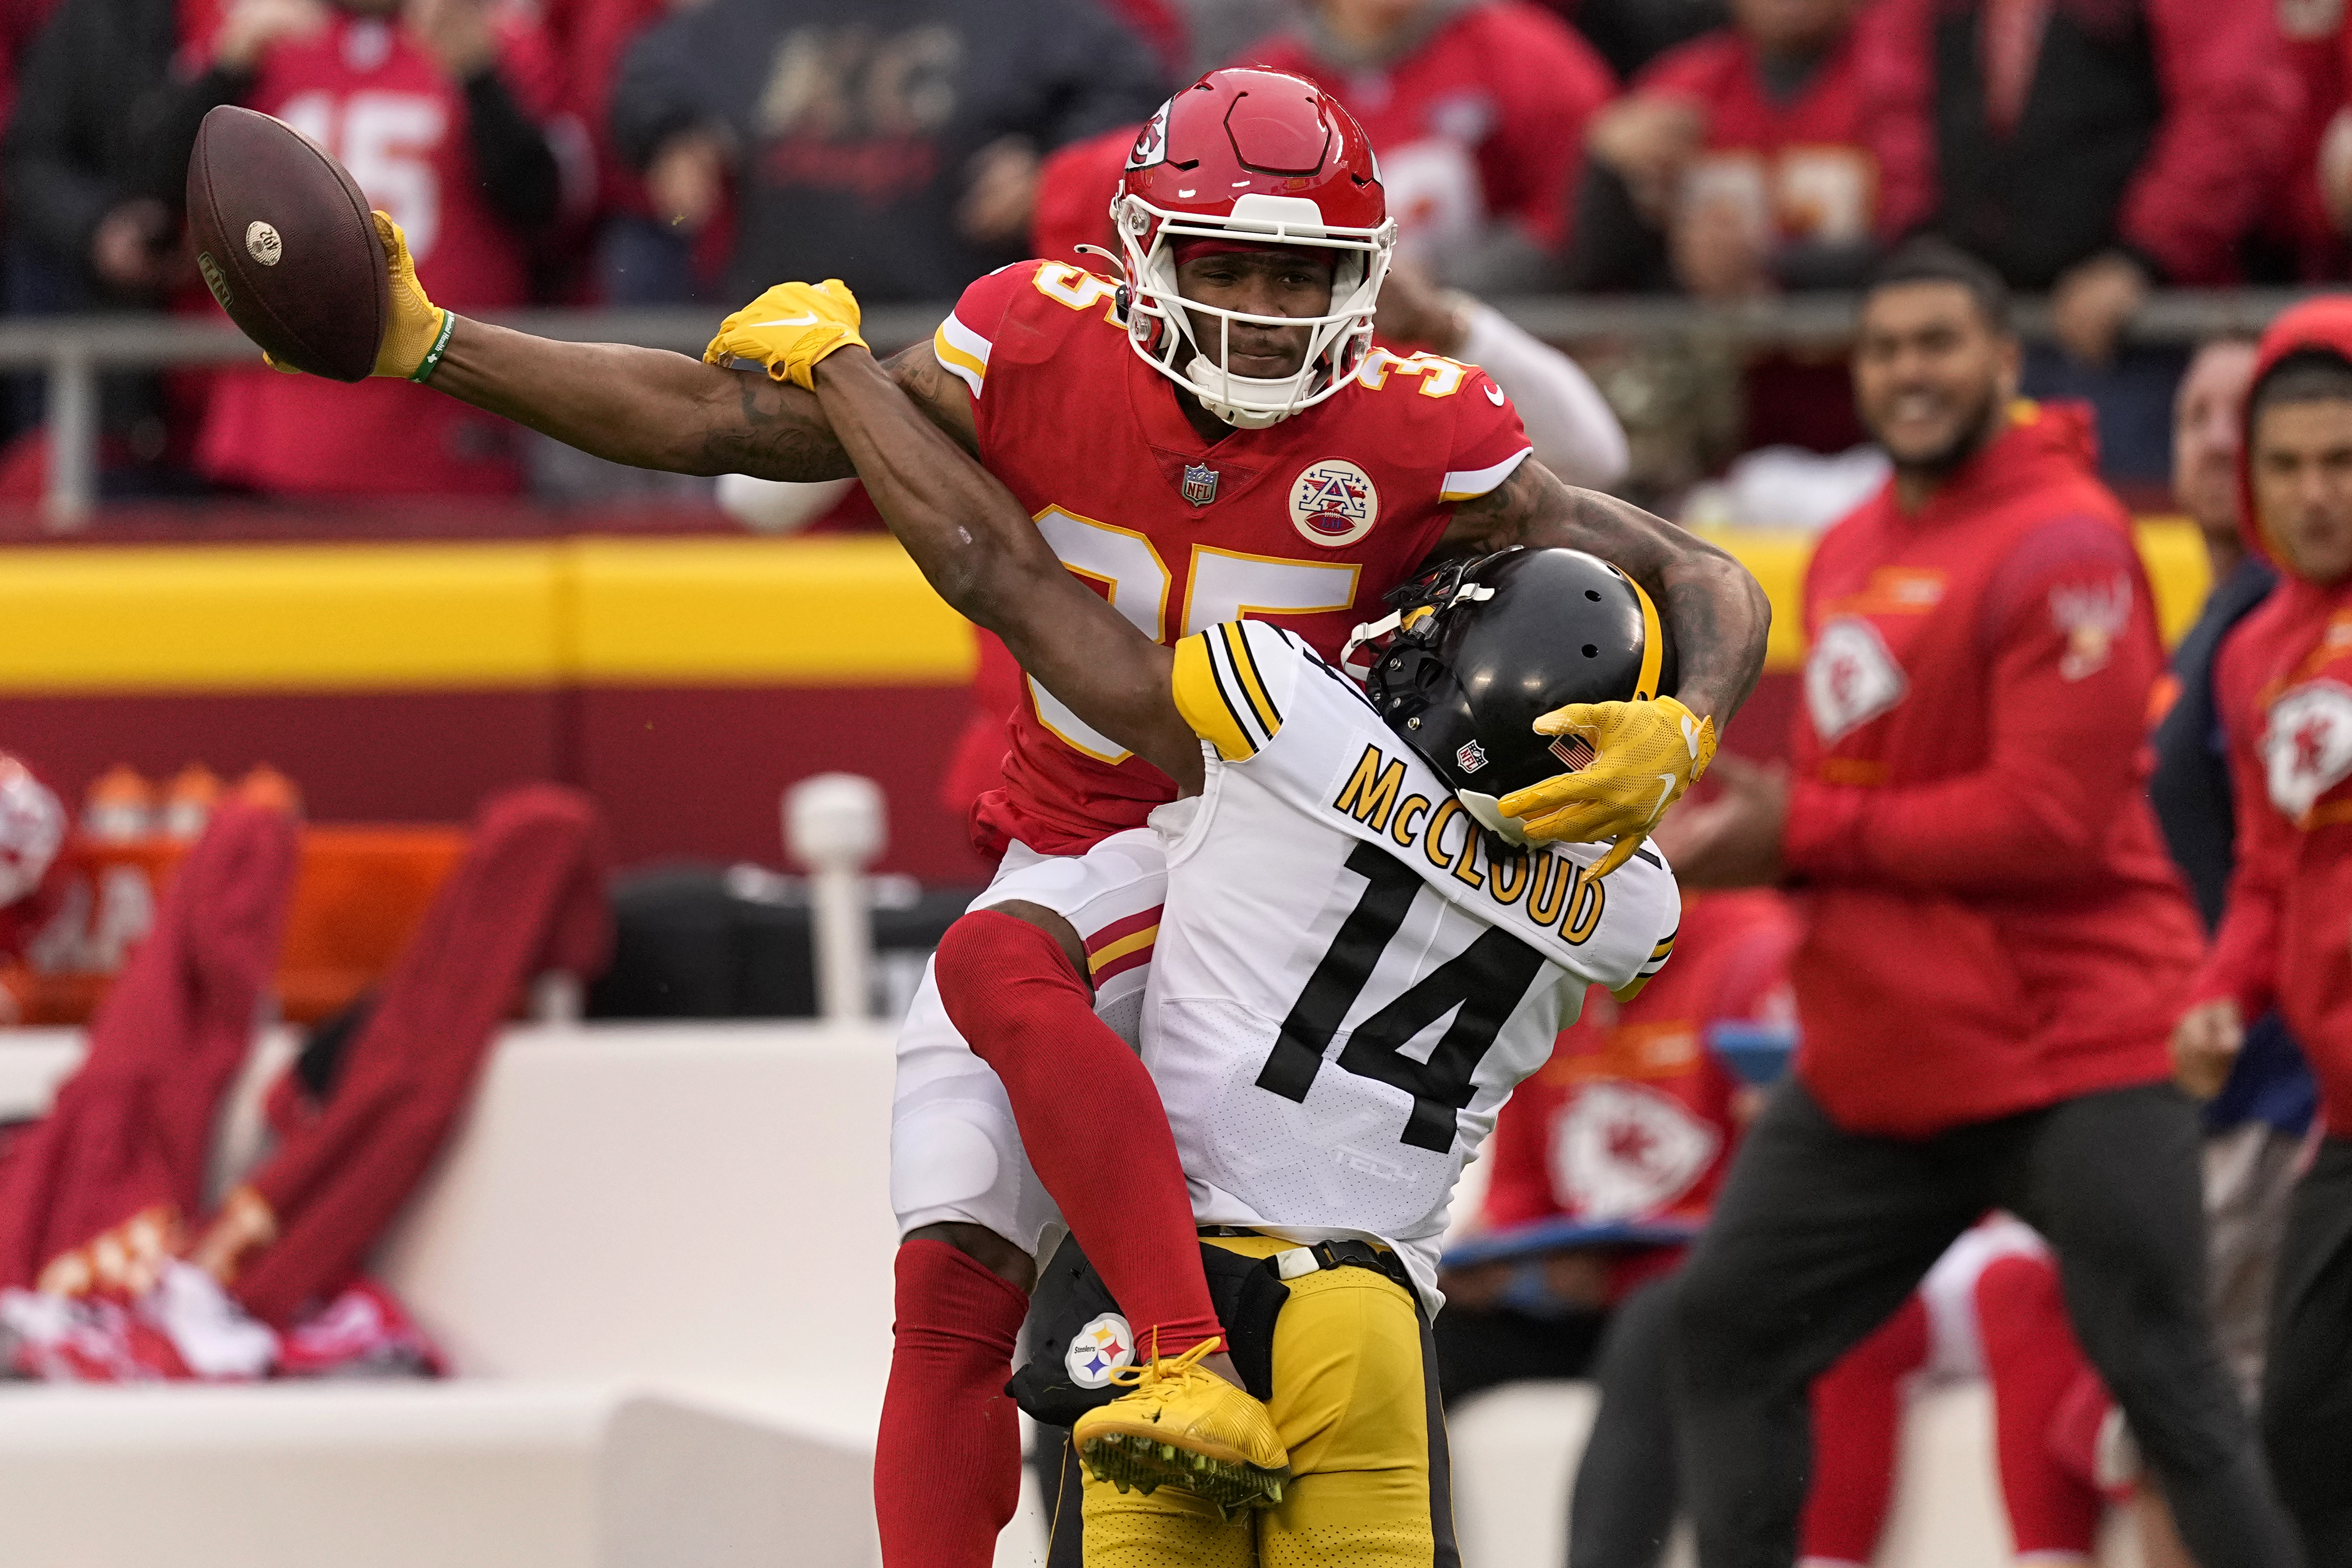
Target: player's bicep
point(944, 397)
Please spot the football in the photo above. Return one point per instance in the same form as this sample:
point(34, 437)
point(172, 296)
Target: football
point(284, 241)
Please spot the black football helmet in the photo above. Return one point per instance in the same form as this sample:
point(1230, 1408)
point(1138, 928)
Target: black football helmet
point(1476, 651)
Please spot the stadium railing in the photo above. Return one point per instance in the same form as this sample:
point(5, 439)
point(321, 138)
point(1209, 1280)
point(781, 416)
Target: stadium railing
point(71, 352)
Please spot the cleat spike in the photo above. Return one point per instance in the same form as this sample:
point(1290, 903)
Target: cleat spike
point(1167, 1450)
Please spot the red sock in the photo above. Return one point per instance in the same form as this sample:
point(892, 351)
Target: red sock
point(2034, 1364)
point(1857, 1416)
point(946, 1462)
point(1085, 1107)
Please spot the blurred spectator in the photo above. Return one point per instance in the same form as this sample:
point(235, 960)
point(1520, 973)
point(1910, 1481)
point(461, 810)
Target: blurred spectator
point(1630, 34)
point(2280, 688)
point(1477, 109)
point(437, 108)
point(1162, 25)
point(1738, 164)
point(1226, 30)
point(87, 229)
point(2254, 1127)
point(1605, 1161)
point(2305, 221)
point(2092, 149)
point(1742, 163)
point(898, 151)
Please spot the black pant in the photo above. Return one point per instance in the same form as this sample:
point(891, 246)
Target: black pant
point(2307, 1379)
point(1820, 1233)
point(1624, 1506)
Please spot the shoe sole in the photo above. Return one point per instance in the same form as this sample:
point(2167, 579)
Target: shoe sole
point(1127, 1460)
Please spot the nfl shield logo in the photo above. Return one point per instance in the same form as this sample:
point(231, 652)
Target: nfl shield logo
point(1200, 483)
point(1472, 757)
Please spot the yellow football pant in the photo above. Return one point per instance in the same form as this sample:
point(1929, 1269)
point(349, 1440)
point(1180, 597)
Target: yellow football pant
point(1352, 1401)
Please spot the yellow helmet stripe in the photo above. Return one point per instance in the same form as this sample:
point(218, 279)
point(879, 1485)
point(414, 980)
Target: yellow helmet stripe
point(1653, 649)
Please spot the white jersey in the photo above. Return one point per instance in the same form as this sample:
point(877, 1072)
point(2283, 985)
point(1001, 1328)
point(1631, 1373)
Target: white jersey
point(1346, 984)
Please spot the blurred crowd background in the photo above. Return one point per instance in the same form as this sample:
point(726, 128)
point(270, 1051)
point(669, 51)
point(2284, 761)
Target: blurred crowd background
point(633, 154)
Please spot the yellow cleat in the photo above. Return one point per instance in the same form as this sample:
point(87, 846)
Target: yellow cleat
point(1183, 1425)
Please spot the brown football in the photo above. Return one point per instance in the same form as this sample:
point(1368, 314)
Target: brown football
point(284, 241)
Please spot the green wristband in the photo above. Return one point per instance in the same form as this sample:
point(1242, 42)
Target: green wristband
point(424, 372)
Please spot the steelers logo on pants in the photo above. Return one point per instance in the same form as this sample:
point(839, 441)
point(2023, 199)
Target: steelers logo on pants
point(1099, 1350)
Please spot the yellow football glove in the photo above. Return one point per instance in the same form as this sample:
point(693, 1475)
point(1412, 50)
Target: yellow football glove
point(1647, 754)
point(418, 333)
point(789, 328)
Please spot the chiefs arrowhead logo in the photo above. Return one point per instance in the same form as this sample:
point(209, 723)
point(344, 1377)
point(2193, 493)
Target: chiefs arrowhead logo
point(2307, 745)
point(1850, 679)
point(1151, 142)
point(1621, 1150)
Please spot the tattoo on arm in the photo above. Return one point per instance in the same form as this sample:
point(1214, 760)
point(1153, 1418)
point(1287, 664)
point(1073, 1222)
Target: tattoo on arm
point(1715, 612)
point(776, 431)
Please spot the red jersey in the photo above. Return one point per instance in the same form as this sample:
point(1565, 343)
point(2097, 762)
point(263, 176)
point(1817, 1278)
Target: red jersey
point(1631, 1119)
point(2282, 683)
point(1306, 524)
point(373, 95)
point(1500, 93)
point(1992, 924)
point(1804, 169)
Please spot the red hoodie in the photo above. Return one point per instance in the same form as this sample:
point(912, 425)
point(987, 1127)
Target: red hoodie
point(1992, 923)
point(2283, 685)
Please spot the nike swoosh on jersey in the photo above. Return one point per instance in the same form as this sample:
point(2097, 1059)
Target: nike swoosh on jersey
point(1494, 395)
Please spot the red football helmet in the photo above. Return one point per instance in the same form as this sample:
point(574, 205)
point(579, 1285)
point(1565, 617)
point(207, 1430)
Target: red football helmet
point(1258, 157)
point(32, 828)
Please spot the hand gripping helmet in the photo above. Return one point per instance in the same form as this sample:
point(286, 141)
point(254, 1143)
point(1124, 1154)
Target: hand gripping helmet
point(1254, 157)
point(1473, 653)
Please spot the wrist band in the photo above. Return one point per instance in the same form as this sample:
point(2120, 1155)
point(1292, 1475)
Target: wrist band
point(424, 372)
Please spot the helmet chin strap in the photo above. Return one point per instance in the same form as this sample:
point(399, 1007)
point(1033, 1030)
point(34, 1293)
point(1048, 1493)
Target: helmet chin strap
point(1207, 374)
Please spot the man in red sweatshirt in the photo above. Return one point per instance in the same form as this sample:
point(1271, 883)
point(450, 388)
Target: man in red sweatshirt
point(1995, 945)
point(2283, 687)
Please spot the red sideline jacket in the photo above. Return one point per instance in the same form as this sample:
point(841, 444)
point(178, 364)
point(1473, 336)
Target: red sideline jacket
point(1991, 922)
point(1631, 1119)
point(2283, 685)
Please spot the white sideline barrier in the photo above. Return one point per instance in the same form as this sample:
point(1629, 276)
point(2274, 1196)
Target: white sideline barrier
point(1515, 1451)
point(661, 1257)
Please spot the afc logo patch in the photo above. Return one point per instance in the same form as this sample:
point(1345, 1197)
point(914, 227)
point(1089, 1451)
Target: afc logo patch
point(1850, 679)
point(1099, 1350)
point(1333, 503)
point(2307, 745)
point(1199, 486)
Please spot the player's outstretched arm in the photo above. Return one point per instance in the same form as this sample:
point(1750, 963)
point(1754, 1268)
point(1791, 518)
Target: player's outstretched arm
point(645, 408)
point(1715, 611)
point(654, 409)
point(986, 558)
